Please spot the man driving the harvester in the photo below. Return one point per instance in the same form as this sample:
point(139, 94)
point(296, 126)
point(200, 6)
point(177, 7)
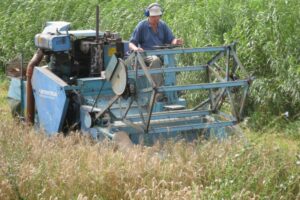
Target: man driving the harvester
point(152, 32)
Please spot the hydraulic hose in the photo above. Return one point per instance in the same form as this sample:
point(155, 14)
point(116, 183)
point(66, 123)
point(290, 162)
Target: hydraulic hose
point(35, 60)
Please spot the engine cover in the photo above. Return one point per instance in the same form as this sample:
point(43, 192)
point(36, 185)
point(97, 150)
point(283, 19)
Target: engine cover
point(53, 42)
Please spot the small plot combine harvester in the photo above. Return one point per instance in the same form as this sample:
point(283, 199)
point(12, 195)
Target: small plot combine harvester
point(90, 83)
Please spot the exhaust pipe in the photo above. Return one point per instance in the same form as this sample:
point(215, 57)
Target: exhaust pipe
point(35, 60)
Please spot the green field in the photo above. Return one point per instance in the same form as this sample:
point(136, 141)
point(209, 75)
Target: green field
point(261, 163)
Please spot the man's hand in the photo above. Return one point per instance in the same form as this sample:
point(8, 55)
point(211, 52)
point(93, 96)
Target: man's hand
point(177, 41)
point(133, 47)
point(138, 49)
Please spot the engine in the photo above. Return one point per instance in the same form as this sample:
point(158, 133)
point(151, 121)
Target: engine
point(77, 54)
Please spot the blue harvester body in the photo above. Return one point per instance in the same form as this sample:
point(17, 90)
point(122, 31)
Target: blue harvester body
point(94, 85)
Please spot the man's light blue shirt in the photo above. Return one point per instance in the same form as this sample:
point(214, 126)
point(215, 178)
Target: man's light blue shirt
point(144, 37)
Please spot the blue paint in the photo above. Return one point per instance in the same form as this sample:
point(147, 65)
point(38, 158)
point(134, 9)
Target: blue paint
point(17, 91)
point(54, 43)
point(50, 99)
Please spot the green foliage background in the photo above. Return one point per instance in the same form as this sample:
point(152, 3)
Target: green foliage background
point(267, 32)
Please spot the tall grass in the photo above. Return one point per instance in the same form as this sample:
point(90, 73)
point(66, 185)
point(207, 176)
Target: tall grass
point(37, 167)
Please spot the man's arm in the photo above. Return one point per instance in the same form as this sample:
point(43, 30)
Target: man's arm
point(133, 47)
point(136, 38)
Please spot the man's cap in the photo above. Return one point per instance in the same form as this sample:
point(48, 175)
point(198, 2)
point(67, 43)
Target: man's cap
point(155, 10)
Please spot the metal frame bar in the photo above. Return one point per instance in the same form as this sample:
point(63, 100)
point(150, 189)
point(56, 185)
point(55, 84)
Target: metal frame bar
point(111, 102)
point(173, 114)
point(192, 127)
point(131, 73)
point(203, 86)
point(243, 100)
point(185, 50)
point(144, 67)
point(152, 99)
